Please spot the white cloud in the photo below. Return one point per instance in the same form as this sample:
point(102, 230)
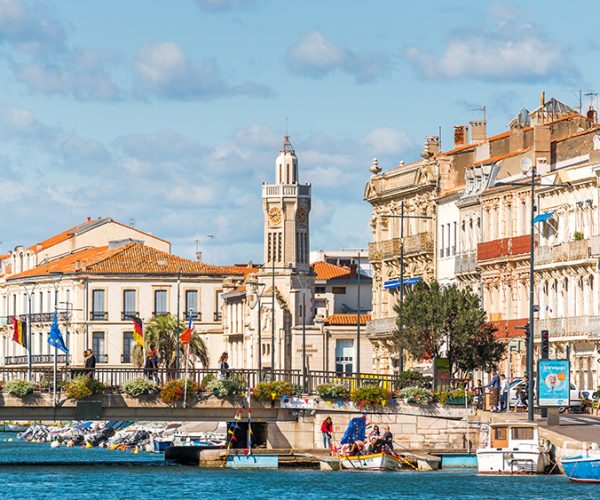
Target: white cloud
point(387, 141)
point(165, 70)
point(316, 56)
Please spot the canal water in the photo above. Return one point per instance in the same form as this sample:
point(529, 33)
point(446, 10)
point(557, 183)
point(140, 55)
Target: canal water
point(34, 471)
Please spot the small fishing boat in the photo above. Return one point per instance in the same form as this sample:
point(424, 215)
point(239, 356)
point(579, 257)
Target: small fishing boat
point(375, 461)
point(582, 469)
point(512, 448)
point(13, 427)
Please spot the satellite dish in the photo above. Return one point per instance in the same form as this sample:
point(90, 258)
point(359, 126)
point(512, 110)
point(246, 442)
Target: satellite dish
point(526, 165)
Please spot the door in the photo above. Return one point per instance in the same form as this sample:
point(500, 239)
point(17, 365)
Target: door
point(500, 437)
point(344, 356)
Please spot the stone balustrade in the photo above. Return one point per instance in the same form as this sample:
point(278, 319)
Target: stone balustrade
point(420, 243)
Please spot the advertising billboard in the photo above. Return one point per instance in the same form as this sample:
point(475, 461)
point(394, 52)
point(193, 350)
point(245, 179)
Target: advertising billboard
point(553, 382)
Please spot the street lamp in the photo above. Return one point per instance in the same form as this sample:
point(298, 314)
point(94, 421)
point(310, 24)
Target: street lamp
point(59, 275)
point(303, 289)
point(527, 164)
point(254, 283)
point(402, 217)
point(29, 294)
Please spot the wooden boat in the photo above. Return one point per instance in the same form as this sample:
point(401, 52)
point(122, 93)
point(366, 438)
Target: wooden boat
point(582, 469)
point(512, 448)
point(374, 461)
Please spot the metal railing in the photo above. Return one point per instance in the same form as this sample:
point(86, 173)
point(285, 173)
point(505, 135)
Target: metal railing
point(101, 358)
point(217, 316)
point(36, 359)
point(99, 316)
point(129, 315)
point(116, 377)
point(46, 317)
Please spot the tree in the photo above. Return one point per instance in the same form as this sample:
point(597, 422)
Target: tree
point(432, 317)
point(162, 331)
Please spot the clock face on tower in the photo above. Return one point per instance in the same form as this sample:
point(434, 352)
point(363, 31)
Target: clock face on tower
point(302, 216)
point(275, 216)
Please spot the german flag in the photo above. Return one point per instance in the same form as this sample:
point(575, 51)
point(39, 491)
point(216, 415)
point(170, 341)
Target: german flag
point(19, 329)
point(138, 331)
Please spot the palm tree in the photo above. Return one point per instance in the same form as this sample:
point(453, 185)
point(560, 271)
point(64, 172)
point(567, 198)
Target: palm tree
point(162, 332)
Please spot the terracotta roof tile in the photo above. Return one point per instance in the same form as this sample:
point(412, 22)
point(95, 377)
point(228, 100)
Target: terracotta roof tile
point(347, 319)
point(56, 239)
point(326, 271)
point(493, 159)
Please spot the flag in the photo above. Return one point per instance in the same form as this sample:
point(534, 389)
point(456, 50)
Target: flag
point(549, 309)
point(186, 336)
point(19, 329)
point(138, 331)
point(55, 338)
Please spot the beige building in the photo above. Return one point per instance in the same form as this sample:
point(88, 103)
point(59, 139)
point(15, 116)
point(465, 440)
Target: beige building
point(492, 244)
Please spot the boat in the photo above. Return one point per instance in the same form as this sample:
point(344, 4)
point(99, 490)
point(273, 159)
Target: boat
point(160, 444)
point(582, 469)
point(512, 448)
point(374, 461)
point(12, 427)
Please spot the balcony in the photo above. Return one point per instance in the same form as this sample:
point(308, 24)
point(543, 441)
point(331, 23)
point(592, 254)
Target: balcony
point(194, 316)
point(281, 190)
point(38, 317)
point(383, 327)
point(563, 252)
point(465, 263)
point(99, 316)
point(101, 358)
point(129, 315)
point(37, 359)
point(585, 327)
point(415, 244)
point(503, 248)
point(217, 317)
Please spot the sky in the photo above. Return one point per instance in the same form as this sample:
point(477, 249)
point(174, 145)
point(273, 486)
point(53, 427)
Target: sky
point(170, 114)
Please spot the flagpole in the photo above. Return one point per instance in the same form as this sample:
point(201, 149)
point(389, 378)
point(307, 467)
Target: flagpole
point(187, 354)
point(55, 366)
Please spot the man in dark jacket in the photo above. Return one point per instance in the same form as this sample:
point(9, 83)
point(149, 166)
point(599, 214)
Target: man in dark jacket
point(90, 363)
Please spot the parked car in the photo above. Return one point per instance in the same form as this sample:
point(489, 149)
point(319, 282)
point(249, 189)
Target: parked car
point(574, 396)
point(588, 394)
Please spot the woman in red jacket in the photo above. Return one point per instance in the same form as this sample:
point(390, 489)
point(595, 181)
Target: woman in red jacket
point(327, 431)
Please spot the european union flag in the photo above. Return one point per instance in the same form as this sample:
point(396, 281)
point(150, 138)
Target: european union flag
point(55, 338)
point(356, 430)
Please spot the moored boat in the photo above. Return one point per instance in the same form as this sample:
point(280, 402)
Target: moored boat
point(582, 469)
point(513, 448)
point(374, 461)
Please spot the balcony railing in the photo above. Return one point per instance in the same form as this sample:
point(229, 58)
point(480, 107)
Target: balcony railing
point(101, 358)
point(194, 316)
point(504, 247)
point(36, 359)
point(286, 190)
point(37, 317)
point(465, 263)
point(217, 316)
point(129, 315)
point(381, 327)
point(99, 316)
point(587, 327)
point(126, 358)
point(420, 243)
point(563, 252)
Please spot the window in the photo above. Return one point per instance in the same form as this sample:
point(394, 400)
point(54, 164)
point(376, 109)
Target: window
point(128, 344)
point(319, 289)
point(218, 305)
point(41, 303)
point(49, 300)
point(191, 304)
point(448, 240)
point(344, 356)
point(160, 302)
point(129, 304)
point(442, 242)
point(338, 290)
point(98, 344)
point(521, 433)
point(454, 240)
point(98, 312)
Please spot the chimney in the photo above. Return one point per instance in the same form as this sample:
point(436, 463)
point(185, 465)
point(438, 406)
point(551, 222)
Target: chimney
point(461, 135)
point(432, 144)
point(591, 114)
point(516, 138)
point(541, 143)
point(77, 266)
point(478, 131)
point(199, 256)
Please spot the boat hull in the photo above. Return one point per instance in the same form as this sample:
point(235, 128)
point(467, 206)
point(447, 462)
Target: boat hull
point(375, 461)
point(582, 469)
point(505, 461)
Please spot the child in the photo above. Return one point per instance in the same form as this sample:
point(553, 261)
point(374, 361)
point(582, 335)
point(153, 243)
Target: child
point(521, 405)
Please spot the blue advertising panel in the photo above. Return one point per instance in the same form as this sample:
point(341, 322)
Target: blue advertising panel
point(553, 382)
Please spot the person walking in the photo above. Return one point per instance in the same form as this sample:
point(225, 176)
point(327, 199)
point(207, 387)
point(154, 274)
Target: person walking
point(90, 363)
point(495, 391)
point(224, 366)
point(504, 392)
point(327, 431)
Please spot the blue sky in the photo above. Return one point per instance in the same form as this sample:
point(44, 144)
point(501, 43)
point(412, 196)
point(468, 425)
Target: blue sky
point(172, 112)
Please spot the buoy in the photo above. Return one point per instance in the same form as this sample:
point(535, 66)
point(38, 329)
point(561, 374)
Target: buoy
point(54, 444)
point(136, 451)
point(88, 444)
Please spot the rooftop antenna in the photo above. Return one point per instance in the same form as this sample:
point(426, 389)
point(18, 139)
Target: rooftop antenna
point(591, 95)
point(132, 221)
point(483, 109)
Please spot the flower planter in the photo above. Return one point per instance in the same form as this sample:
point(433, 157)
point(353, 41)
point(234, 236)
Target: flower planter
point(456, 401)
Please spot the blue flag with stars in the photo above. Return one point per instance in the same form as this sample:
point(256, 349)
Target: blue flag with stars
point(55, 338)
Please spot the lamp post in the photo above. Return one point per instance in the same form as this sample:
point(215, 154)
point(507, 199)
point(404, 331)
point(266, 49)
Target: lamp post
point(253, 282)
point(402, 216)
point(58, 275)
point(178, 319)
point(29, 294)
point(273, 318)
point(527, 164)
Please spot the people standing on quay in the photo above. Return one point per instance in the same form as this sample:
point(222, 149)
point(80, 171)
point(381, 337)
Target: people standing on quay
point(478, 400)
point(224, 366)
point(90, 363)
point(388, 437)
point(495, 391)
point(151, 366)
point(327, 431)
point(504, 390)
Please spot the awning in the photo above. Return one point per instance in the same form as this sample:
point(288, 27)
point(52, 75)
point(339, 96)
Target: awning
point(543, 217)
point(396, 283)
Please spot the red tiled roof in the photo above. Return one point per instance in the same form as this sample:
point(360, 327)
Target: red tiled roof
point(347, 319)
point(132, 258)
point(56, 239)
point(326, 271)
point(496, 158)
point(507, 328)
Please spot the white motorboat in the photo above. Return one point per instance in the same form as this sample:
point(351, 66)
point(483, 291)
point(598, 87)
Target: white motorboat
point(512, 448)
point(374, 461)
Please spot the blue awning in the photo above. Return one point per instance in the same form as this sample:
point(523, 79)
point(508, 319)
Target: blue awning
point(396, 283)
point(543, 217)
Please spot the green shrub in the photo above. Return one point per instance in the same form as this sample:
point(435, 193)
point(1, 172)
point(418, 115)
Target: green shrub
point(271, 391)
point(138, 387)
point(370, 395)
point(82, 387)
point(207, 379)
point(227, 387)
point(416, 395)
point(19, 388)
point(444, 396)
point(172, 392)
point(412, 378)
point(333, 391)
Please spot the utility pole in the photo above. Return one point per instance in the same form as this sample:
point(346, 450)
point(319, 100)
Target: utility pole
point(358, 318)
point(273, 315)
